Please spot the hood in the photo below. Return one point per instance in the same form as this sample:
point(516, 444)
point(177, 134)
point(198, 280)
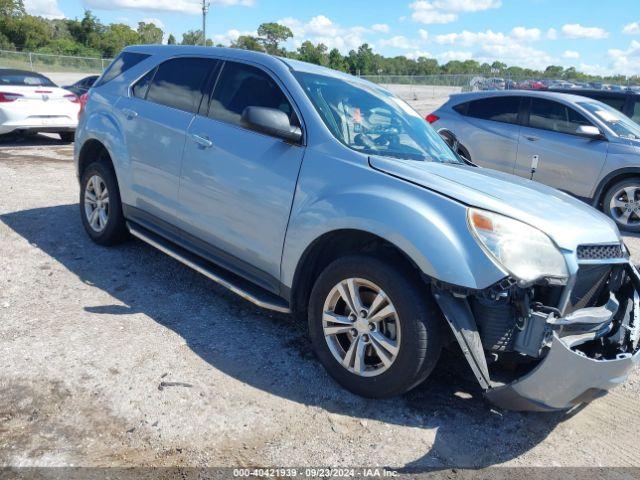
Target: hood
point(568, 221)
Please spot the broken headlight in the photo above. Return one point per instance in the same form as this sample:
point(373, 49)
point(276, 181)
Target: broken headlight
point(524, 251)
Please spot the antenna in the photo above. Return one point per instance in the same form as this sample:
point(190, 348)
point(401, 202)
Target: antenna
point(205, 9)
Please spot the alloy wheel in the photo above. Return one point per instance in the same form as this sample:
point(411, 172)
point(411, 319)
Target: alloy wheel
point(625, 206)
point(361, 327)
point(96, 203)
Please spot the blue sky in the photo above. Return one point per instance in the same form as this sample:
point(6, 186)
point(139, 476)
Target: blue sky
point(592, 35)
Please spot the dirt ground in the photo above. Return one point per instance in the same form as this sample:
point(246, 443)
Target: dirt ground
point(122, 356)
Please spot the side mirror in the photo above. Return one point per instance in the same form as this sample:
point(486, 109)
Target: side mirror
point(590, 131)
point(272, 122)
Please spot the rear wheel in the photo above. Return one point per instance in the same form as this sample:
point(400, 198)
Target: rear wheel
point(622, 204)
point(374, 327)
point(100, 206)
point(67, 137)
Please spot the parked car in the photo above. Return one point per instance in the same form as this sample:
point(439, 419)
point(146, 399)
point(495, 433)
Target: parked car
point(309, 191)
point(627, 102)
point(572, 143)
point(83, 85)
point(30, 102)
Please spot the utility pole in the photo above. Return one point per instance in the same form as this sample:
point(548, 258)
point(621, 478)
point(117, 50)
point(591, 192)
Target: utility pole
point(205, 9)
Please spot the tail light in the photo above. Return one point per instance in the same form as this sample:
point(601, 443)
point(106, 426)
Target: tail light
point(83, 102)
point(431, 118)
point(72, 98)
point(9, 97)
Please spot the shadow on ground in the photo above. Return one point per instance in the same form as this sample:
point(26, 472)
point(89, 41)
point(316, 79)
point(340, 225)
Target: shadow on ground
point(31, 140)
point(270, 351)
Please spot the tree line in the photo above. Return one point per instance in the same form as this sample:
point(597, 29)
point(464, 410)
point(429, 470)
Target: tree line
point(89, 37)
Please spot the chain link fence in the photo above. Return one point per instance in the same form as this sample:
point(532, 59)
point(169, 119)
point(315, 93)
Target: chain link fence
point(52, 63)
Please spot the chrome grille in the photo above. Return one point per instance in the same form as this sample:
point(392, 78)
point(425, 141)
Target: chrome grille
point(600, 252)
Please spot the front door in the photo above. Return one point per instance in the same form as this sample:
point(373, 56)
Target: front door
point(237, 184)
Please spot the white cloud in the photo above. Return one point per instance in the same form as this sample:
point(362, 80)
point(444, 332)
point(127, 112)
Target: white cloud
point(424, 35)
point(632, 29)
point(626, 62)
point(44, 8)
point(468, 39)
point(156, 21)
point(450, 55)
point(398, 42)
point(575, 30)
point(380, 27)
point(552, 34)
point(417, 54)
point(321, 29)
point(570, 54)
point(185, 6)
point(231, 36)
point(446, 11)
point(527, 34)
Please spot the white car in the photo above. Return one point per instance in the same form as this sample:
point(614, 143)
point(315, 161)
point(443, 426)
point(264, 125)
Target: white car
point(30, 102)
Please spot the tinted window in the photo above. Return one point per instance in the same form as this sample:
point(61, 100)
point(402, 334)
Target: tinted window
point(550, 115)
point(178, 83)
point(121, 64)
point(617, 103)
point(498, 109)
point(635, 114)
point(241, 86)
point(24, 79)
point(461, 108)
point(141, 87)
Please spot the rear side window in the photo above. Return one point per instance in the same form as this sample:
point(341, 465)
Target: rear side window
point(121, 64)
point(554, 116)
point(241, 86)
point(178, 83)
point(497, 109)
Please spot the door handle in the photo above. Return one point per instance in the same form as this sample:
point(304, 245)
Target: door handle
point(202, 140)
point(531, 139)
point(130, 114)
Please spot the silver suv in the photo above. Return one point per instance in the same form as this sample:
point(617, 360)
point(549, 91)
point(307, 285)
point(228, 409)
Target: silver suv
point(309, 191)
point(570, 142)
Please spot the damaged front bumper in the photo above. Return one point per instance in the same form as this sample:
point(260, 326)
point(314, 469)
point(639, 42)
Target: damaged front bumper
point(567, 373)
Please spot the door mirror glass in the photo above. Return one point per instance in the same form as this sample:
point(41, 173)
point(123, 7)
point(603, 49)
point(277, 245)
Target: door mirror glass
point(589, 131)
point(271, 121)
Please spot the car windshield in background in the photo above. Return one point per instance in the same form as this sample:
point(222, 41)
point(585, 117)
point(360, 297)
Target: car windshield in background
point(372, 121)
point(25, 80)
point(621, 125)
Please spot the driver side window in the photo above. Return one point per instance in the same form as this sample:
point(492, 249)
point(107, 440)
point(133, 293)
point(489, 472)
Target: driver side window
point(240, 86)
point(549, 115)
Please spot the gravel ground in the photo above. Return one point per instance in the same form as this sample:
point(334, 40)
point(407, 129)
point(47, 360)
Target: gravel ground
point(123, 356)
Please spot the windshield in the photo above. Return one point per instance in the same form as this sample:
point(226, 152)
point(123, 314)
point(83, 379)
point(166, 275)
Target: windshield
point(372, 121)
point(621, 125)
point(18, 79)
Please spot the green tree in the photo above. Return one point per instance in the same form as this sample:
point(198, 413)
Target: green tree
point(337, 61)
point(554, 71)
point(271, 34)
point(12, 8)
point(192, 37)
point(149, 33)
point(308, 52)
point(115, 38)
point(248, 42)
point(171, 40)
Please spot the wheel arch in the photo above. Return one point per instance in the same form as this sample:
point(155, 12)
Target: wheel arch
point(611, 179)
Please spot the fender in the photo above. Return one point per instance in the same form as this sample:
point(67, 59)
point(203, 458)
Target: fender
point(429, 228)
point(600, 189)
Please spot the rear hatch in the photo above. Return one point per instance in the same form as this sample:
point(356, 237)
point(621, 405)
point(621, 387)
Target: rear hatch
point(40, 101)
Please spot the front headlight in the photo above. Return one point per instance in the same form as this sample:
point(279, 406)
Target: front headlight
point(524, 251)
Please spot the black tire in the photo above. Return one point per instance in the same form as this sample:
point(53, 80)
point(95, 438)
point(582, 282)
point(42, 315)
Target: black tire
point(608, 196)
point(115, 229)
point(67, 137)
point(419, 318)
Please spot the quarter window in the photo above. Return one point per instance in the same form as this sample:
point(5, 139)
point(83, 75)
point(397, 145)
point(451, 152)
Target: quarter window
point(554, 116)
point(139, 90)
point(178, 83)
point(241, 86)
point(121, 64)
point(497, 109)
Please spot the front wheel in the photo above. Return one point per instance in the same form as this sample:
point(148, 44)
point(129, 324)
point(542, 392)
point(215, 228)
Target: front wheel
point(622, 204)
point(374, 326)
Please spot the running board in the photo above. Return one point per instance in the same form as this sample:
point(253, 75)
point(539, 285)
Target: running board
point(244, 288)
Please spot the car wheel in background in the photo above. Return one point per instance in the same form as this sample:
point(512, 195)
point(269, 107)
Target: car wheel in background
point(622, 203)
point(374, 326)
point(67, 137)
point(100, 206)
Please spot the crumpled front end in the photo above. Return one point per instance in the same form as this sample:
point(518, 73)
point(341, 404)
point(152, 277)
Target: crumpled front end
point(550, 347)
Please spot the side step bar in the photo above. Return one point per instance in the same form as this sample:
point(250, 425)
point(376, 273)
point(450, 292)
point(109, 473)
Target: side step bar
point(237, 285)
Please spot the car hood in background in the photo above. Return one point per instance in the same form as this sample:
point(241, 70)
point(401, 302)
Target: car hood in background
point(568, 221)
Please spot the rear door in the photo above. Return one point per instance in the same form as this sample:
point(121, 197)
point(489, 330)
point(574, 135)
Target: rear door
point(565, 160)
point(238, 184)
point(492, 140)
point(155, 118)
